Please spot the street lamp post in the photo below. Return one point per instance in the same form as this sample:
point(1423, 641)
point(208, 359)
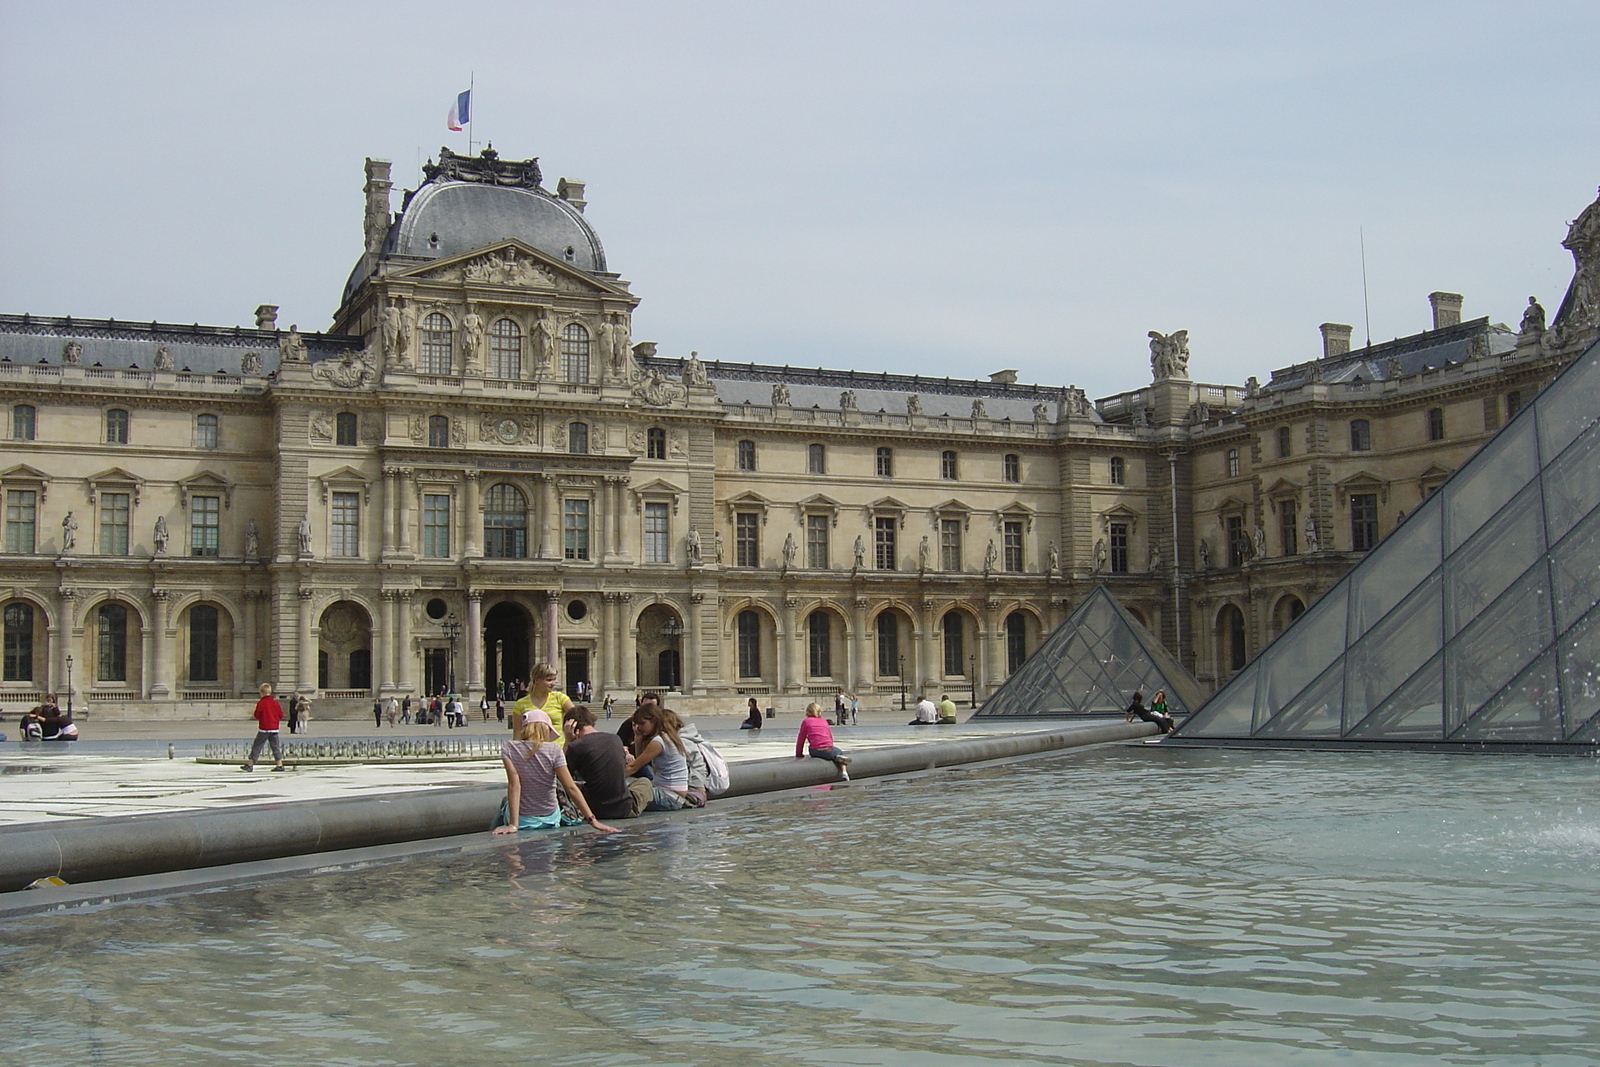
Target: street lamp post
point(452, 630)
point(902, 683)
point(972, 679)
point(69, 685)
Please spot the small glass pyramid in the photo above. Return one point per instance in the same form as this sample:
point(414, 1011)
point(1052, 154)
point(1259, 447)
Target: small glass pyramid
point(1092, 664)
point(1477, 620)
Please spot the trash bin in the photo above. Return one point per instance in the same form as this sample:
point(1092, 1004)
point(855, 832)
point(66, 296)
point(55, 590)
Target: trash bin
point(772, 713)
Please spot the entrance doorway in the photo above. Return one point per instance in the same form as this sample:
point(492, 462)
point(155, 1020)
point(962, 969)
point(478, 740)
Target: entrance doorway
point(667, 672)
point(435, 670)
point(577, 664)
point(507, 639)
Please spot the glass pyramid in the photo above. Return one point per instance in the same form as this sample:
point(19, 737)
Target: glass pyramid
point(1477, 620)
point(1092, 664)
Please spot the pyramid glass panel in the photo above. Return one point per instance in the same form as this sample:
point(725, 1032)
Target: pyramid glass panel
point(1394, 568)
point(1092, 664)
point(1477, 620)
point(1506, 546)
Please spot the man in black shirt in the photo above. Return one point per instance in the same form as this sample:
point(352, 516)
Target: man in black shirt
point(597, 761)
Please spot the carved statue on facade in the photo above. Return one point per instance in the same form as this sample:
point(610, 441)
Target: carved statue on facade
point(1205, 555)
point(692, 543)
point(1154, 563)
point(472, 329)
point(292, 348)
point(304, 533)
point(788, 551)
point(1052, 557)
point(395, 339)
point(1533, 318)
point(69, 532)
point(1041, 413)
point(1259, 539)
point(1169, 354)
point(1100, 555)
point(1077, 403)
point(860, 552)
point(913, 404)
point(655, 391)
point(694, 372)
point(250, 363)
point(72, 353)
point(1311, 535)
point(1252, 387)
point(1392, 369)
point(252, 539)
point(161, 535)
point(990, 556)
point(543, 340)
point(847, 400)
point(922, 553)
point(716, 546)
point(617, 349)
point(978, 411)
point(780, 394)
point(163, 358)
point(350, 371)
point(1581, 308)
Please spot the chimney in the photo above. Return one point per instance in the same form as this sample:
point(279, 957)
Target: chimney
point(1335, 339)
point(571, 190)
point(377, 190)
point(1004, 377)
point(1446, 309)
point(267, 317)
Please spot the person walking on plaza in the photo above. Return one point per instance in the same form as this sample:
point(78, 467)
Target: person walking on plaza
point(405, 710)
point(294, 713)
point(377, 712)
point(814, 731)
point(838, 707)
point(268, 716)
point(947, 710)
point(392, 712)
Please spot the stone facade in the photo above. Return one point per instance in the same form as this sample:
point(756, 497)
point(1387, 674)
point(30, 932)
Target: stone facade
point(477, 468)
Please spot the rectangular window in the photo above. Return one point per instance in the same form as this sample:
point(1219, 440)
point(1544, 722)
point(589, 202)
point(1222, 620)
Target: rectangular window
point(22, 422)
point(749, 645)
point(1363, 521)
point(116, 427)
point(1513, 405)
point(1238, 547)
point(816, 459)
point(205, 431)
point(1233, 463)
point(346, 527)
point(747, 539)
point(438, 431)
point(18, 643)
point(1011, 467)
point(885, 462)
point(1288, 530)
point(947, 465)
point(820, 642)
point(205, 525)
point(657, 533)
point(888, 645)
point(883, 542)
point(817, 541)
point(1436, 424)
point(1360, 435)
point(114, 509)
point(344, 428)
point(655, 443)
point(1119, 471)
point(1283, 442)
point(1119, 548)
point(436, 525)
point(1011, 559)
point(575, 529)
point(22, 516)
point(950, 545)
point(745, 458)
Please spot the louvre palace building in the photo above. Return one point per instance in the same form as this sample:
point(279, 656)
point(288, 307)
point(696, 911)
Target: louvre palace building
point(476, 468)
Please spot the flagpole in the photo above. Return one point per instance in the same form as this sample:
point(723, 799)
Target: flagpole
point(472, 106)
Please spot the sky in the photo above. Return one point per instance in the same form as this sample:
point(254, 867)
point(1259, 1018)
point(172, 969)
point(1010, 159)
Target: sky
point(934, 188)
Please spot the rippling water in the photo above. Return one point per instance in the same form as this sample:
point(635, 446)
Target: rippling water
point(1126, 906)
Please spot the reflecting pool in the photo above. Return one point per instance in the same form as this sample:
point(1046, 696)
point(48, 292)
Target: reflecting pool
point(1122, 905)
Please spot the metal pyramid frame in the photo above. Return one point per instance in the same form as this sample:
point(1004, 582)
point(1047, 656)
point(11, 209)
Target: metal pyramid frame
point(1475, 623)
point(1091, 665)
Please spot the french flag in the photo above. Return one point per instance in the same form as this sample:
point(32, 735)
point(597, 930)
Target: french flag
point(460, 111)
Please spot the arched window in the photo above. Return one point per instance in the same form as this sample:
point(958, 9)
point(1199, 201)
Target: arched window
point(18, 643)
point(575, 352)
point(205, 431)
point(819, 632)
point(749, 627)
point(505, 349)
point(1119, 471)
point(111, 661)
point(438, 431)
point(1011, 466)
point(344, 428)
point(578, 438)
point(505, 523)
point(203, 620)
point(1016, 641)
point(655, 443)
point(955, 652)
point(1360, 435)
point(438, 340)
point(889, 645)
point(116, 427)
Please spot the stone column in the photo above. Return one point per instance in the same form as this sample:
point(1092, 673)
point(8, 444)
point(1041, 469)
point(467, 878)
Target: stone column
point(404, 661)
point(244, 644)
point(992, 653)
point(693, 669)
point(616, 503)
point(60, 638)
point(552, 644)
point(863, 649)
point(627, 643)
point(927, 649)
point(383, 644)
point(471, 519)
point(549, 519)
point(305, 652)
point(788, 678)
point(160, 683)
point(474, 642)
point(404, 510)
point(390, 499)
point(606, 665)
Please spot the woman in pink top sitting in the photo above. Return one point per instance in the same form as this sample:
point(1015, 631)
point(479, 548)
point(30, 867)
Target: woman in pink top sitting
point(814, 729)
point(534, 762)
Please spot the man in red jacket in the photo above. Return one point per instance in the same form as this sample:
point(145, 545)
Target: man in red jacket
point(269, 716)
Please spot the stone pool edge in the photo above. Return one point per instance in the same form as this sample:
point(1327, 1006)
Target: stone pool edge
point(94, 850)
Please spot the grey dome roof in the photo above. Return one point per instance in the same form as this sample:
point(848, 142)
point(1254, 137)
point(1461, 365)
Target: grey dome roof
point(446, 219)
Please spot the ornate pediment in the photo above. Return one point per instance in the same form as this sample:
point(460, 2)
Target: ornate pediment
point(206, 483)
point(116, 479)
point(510, 265)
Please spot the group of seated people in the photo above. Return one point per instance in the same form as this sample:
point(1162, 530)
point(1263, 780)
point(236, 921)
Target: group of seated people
point(48, 722)
point(931, 714)
point(645, 766)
